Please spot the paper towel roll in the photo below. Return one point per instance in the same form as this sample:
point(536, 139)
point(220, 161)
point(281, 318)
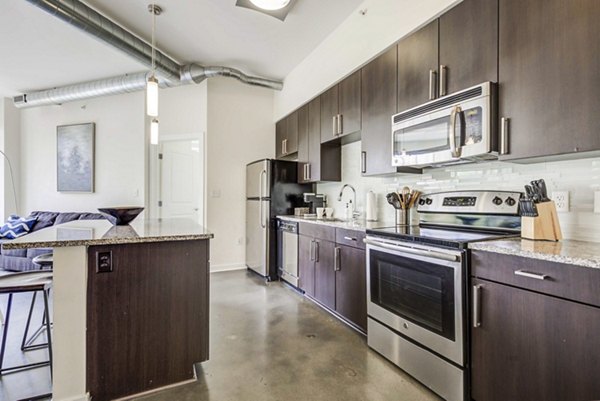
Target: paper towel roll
point(371, 206)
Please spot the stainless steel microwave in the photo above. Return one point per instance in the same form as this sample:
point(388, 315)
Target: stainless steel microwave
point(457, 128)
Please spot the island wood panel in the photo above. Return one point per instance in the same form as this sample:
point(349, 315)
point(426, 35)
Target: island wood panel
point(147, 319)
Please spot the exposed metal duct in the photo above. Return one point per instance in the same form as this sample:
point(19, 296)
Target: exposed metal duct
point(170, 72)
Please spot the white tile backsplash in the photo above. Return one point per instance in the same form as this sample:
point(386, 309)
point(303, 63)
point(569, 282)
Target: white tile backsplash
point(580, 177)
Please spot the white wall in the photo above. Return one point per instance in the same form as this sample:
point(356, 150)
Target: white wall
point(120, 153)
point(240, 130)
point(10, 139)
point(356, 41)
point(580, 177)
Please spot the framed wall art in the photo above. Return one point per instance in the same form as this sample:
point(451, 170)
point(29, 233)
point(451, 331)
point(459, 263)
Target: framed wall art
point(75, 157)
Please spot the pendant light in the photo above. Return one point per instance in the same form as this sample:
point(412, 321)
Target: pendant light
point(152, 83)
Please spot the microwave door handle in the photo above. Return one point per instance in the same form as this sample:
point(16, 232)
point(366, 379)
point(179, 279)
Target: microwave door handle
point(454, 149)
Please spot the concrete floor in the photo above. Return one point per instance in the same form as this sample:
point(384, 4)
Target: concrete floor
point(269, 343)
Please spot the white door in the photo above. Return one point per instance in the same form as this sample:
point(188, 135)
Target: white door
point(181, 179)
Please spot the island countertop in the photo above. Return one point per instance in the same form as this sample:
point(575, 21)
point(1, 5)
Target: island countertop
point(102, 232)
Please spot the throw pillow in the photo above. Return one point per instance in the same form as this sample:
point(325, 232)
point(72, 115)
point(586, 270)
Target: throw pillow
point(17, 226)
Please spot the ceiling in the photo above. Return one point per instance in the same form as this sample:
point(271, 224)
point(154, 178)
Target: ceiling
point(39, 51)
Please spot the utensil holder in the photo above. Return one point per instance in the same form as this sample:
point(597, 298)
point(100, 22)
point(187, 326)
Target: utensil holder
point(402, 217)
point(543, 227)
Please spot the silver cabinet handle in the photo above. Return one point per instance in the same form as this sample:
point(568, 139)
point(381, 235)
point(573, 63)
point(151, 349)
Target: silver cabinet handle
point(340, 127)
point(476, 306)
point(283, 147)
point(504, 135)
point(316, 251)
point(412, 251)
point(442, 90)
point(432, 78)
point(454, 149)
point(335, 125)
point(527, 274)
point(308, 172)
point(312, 250)
point(363, 162)
point(336, 259)
point(349, 239)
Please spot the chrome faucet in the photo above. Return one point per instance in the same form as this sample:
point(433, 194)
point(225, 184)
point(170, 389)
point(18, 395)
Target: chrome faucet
point(355, 213)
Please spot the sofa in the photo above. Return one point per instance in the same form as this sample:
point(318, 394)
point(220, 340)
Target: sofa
point(22, 259)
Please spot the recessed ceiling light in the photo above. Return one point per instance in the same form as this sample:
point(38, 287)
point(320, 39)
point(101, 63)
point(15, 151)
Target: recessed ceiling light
point(270, 4)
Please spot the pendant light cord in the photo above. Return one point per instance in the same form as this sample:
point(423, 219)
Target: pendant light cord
point(153, 40)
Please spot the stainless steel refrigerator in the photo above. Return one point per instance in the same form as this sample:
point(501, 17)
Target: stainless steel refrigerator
point(272, 189)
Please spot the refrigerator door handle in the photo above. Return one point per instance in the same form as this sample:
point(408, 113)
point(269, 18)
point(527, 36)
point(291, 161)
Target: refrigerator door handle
point(260, 184)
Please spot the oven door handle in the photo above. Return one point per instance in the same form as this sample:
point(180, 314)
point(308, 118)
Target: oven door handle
point(413, 251)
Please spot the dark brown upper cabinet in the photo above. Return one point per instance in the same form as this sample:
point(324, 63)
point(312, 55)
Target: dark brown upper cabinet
point(286, 136)
point(341, 109)
point(417, 67)
point(316, 162)
point(468, 45)
point(454, 52)
point(379, 102)
point(549, 77)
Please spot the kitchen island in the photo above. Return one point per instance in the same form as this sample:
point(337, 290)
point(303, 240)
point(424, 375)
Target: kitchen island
point(130, 305)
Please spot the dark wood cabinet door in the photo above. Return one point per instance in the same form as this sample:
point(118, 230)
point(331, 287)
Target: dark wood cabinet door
point(379, 94)
point(306, 265)
point(469, 44)
point(351, 285)
point(549, 76)
point(325, 274)
point(291, 145)
point(534, 347)
point(280, 135)
point(349, 104)
point(329, 110)
point(303, 144)
point(417, 55)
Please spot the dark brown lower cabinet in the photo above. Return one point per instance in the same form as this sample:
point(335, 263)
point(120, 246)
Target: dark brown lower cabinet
point(147, 319)
point(324, 273)
point(351, 285)
point(306, 265)
point(531, 346)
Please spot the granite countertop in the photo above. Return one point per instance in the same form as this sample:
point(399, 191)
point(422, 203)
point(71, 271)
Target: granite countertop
point(579, 253)
point(357, 225)
point(102, 232)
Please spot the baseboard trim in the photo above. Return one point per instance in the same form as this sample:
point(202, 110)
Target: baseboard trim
point(227, 268)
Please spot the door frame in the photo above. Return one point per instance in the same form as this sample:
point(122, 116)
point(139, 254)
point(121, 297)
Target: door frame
point(154, 171)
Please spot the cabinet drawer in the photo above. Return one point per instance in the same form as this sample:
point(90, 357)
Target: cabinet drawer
point(319, 231)
point(571, 282)
point(351, 238)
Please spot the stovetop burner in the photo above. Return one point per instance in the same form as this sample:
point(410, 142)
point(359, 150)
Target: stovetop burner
point(446, 237)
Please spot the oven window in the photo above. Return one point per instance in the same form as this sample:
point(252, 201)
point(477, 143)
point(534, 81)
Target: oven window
point(418, 291)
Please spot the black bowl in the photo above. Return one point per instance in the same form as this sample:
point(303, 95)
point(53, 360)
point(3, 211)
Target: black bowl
point(120, 216)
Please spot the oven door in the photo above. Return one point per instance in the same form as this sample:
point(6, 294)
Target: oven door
point(449, 135)
point(418, 291)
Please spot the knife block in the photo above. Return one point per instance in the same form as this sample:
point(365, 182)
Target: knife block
point(543, 227)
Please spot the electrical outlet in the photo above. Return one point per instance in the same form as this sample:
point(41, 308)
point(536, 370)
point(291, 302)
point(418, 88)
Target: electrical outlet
point(561, 199)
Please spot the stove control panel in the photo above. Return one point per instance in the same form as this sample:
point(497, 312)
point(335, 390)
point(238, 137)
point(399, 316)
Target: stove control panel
point(471, 202)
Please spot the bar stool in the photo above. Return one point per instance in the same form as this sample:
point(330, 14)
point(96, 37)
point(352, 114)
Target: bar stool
point(45, 262)
point(31, 281)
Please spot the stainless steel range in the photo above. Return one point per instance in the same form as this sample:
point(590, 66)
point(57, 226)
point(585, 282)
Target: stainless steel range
point(416, 284)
